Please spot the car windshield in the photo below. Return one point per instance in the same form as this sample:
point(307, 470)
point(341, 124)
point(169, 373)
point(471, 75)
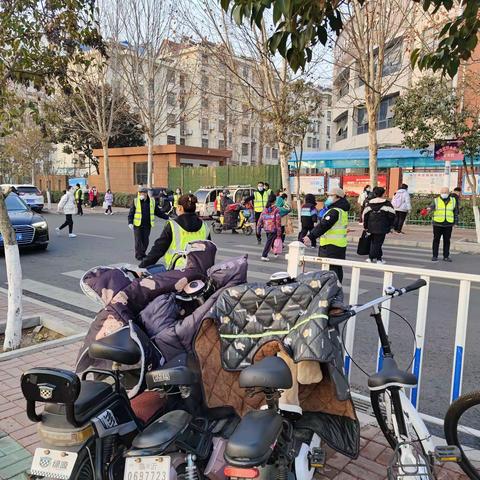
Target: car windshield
point(30, 190)
point(14, 204)
point(202, 195)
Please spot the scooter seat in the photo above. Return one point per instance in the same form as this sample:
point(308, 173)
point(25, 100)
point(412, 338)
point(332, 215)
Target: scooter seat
point(271, 372)
point(118, 347)
point(252, 441)
point(391, 375)
point(163, 431)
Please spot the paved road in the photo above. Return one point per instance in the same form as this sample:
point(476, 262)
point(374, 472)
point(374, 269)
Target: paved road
point(53, 276)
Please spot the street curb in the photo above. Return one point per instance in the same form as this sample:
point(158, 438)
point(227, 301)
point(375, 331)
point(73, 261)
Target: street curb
point(458, 246)
point(41, 346)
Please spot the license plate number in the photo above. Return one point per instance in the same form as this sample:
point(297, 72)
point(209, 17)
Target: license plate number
point(147, 468)
point(53, 463)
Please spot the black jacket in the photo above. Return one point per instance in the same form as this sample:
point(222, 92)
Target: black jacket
point(188, 221)
point(146, 213)
point(329, 219)
point(378, 216)
point(308, 221)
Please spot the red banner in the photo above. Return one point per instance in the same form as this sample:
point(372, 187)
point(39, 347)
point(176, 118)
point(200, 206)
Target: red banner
point(354, 184)
point(448, 150)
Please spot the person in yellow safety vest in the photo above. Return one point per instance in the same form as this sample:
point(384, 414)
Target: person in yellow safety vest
point(141, 219)
point(176, 196)
point(260, 199)
point(332, 229)
point(268, 189)
point(445, 216)
point(79, 199)
point(176, 234)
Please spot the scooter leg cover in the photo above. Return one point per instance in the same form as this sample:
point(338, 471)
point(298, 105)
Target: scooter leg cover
point(309, 372)
point(290, 396)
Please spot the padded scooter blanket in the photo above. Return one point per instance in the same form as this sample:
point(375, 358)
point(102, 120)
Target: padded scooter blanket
point(253, 320)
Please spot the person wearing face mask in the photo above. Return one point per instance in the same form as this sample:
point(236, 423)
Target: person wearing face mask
point(445, 215)
point(260, 200)
point(187, 227)
point(141, 219)
point(176, 196)
point(332, 229)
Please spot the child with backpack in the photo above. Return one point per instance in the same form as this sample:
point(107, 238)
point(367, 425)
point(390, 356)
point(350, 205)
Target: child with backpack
point(270, 221)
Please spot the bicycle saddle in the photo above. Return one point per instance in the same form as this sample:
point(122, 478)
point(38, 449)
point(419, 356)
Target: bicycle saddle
point(391, 376)
point(271, 372)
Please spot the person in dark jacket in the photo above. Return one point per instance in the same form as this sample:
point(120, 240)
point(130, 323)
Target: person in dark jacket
point(187, 227)
point(445, 215)
point(308, 217)
point(378, 220)
point(332, 229)
point(141, 219)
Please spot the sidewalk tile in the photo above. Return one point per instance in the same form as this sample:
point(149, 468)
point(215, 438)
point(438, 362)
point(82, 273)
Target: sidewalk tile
point(17, 468)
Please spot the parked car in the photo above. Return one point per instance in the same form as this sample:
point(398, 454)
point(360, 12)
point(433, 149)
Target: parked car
point(30, 194)
point(206, 196)
point(31, 229)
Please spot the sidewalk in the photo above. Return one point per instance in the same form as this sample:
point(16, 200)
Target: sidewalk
point(18, 437)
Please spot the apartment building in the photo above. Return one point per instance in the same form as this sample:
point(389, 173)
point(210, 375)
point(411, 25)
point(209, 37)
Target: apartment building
point(412, 28)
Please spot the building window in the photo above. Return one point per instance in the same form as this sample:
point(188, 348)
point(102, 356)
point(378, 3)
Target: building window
point(183, 127)
point(274, 153)
point(253, 151)
point(245, 130)
point(170, 99)
point(204, 102)
point(385, 113)
point(328, 131)
point(341, 125)
point(361, 120)
point(245, 72)
point(204, 81)
point(342, 82)
point(309, 142)
point(244, 149)
point(329, 116)
point(204, 126)
point(222, 106)
point(171, 76)
point(140, 173)
point(392, 61)
point(221, 144)
point(327, 145)
point(267, 152)
point(171, 120)
point(182, 81)
point(204, 142)
point(329, 101)
point(230, 139)
point(221, 125)
point(182, 141)
point(171, 140)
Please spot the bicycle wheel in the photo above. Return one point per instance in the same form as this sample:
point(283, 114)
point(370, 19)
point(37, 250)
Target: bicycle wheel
point(385, 414)
point(217, 227)
point(465, 411)
point(248, 230)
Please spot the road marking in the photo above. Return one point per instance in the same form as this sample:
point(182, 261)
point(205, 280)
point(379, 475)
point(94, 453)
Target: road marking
point(96, 236)
point(74, 274)
point(60, 294)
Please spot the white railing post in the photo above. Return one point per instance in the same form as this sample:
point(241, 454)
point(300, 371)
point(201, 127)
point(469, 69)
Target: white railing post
point(296, 251)
point(350, 328)
point(422, 309)
point(460, 337)
point(387, 282)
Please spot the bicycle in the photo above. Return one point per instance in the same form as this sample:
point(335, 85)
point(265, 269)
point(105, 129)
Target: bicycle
point(466, 439)
point(399, 421)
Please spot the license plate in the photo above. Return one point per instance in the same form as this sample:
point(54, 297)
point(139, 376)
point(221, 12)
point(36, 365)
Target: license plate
point(30, 200)
point(53, 463)
point(147, 468)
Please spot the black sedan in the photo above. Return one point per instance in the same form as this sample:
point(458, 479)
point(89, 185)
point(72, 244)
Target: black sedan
point(31, 229)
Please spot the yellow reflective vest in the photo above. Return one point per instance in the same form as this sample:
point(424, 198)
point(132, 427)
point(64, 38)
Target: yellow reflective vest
point(137, 219)
point(176, 197)
point(337, 235)
point(180, 239)
point(260, 200)
point(444, 212)
point(78, 194)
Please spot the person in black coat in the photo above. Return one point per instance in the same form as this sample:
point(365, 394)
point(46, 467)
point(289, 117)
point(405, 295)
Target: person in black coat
point(142, 231)
point(378, 220)
point(308, 217)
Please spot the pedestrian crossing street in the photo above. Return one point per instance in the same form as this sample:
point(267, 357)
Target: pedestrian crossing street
point(71, 297)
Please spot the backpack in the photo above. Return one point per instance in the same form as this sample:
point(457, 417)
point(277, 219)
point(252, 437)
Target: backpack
point(269, 223)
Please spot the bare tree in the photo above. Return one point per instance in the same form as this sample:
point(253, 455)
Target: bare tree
point(369, 61)
point(262, 83)
point(150, 68)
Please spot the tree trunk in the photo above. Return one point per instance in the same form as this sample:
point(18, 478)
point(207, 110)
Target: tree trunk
point(149, 161)
point(13, 330)
point(33, 174)
point(372, 148)
point(299, 202)
point(472, 183)
point(283, 156)
point(106, 159)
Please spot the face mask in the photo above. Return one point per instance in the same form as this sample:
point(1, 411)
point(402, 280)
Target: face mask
point(329, 201)
point(260, 189)
point(142, 197)
point(178, 192)
point(444, 195)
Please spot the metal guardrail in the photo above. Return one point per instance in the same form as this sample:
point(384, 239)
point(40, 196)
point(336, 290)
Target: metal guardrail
point(297, 259)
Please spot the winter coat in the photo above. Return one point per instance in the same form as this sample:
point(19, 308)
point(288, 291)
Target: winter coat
point(401, 201)
point(330, 218)
point(362, 197)
point(263, 222)
point(108, 198)
point(378, 216)
point(67, 204)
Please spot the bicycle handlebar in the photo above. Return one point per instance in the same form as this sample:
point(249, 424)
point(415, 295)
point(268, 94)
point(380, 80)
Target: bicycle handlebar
point(390, 292)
